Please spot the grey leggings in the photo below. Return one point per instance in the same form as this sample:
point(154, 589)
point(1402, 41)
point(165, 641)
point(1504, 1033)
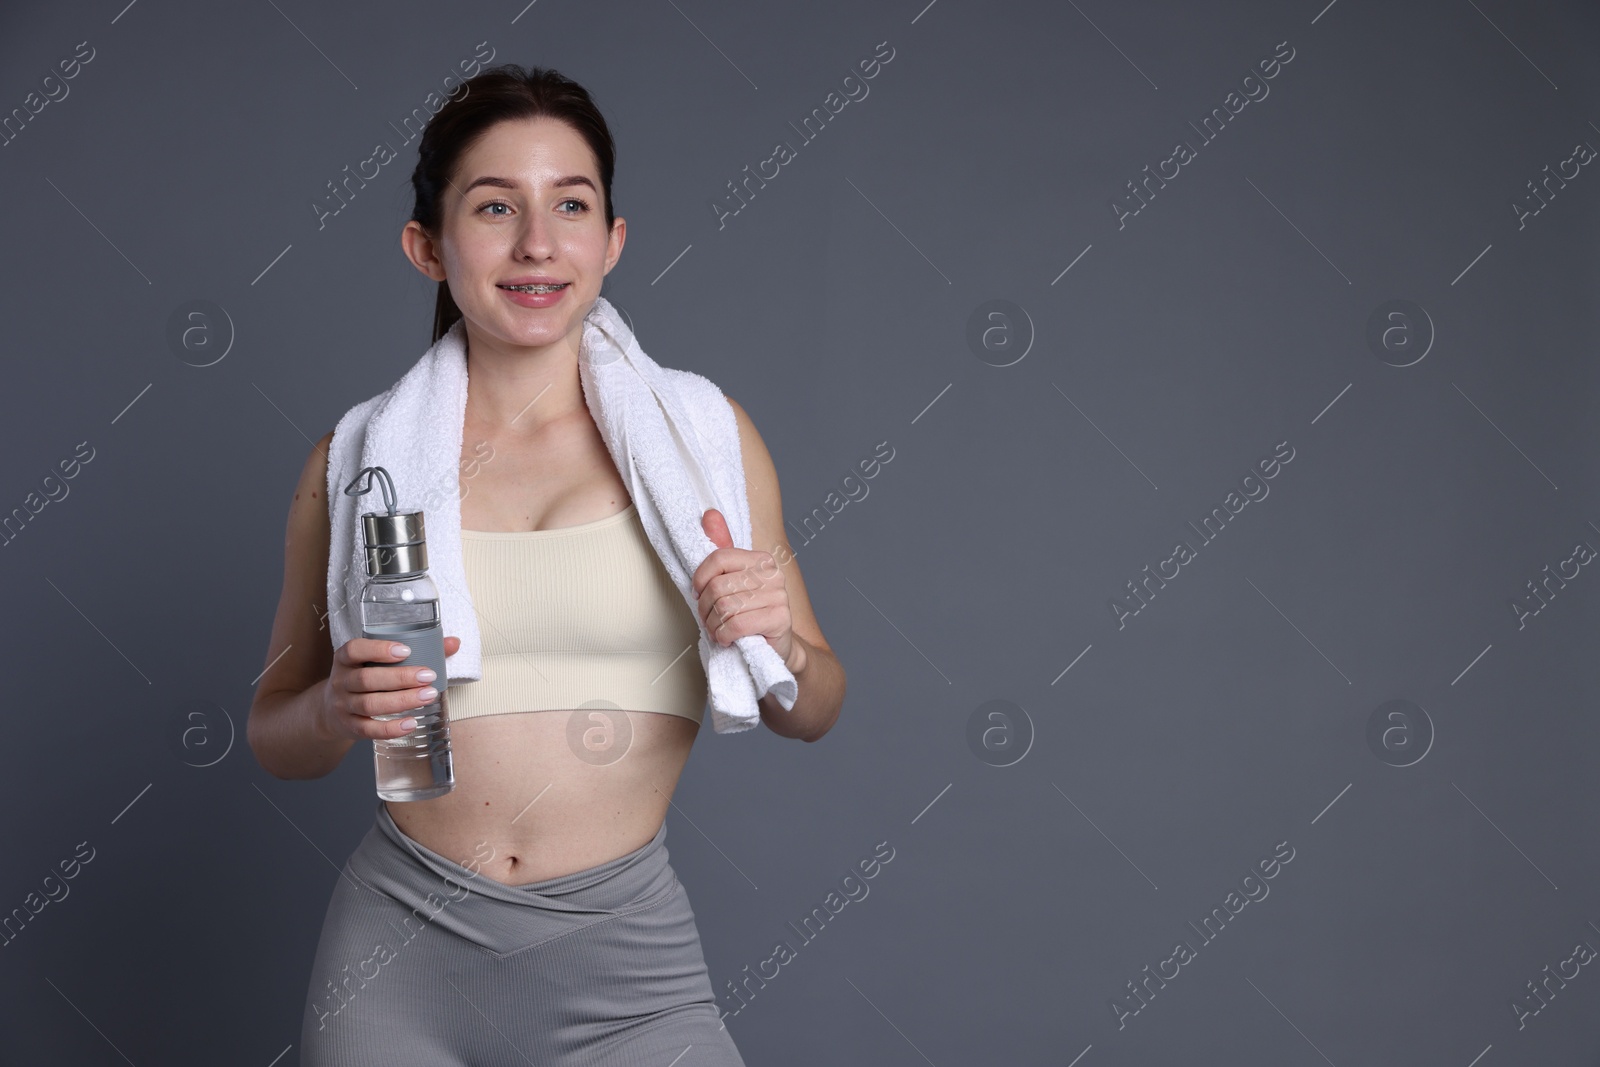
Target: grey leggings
point(422, 961)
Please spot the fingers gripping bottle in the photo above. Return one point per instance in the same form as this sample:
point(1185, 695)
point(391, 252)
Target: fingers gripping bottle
point(400, 603)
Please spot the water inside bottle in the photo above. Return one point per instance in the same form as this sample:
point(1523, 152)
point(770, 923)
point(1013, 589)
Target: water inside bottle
point(416, 765)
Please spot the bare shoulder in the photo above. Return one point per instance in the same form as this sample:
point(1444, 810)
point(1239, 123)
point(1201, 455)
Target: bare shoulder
point(761, 474)
point(308, 531)
point(311, 493)
point(299, 653)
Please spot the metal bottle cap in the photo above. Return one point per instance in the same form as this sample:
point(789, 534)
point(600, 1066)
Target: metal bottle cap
point(396, 541)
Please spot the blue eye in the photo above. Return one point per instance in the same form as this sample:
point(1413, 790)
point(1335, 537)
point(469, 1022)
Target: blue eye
point(581, 206)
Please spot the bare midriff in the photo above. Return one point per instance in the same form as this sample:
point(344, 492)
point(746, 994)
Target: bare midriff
point(540, 794)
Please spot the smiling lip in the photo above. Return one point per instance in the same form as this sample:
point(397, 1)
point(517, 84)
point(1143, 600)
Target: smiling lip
point(535, 300)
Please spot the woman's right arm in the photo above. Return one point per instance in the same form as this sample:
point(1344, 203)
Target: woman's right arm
point(313, 702)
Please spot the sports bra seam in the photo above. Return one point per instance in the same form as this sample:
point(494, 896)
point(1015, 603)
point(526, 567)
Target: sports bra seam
point(700, 718)
point(586, 652)
point(575, 528)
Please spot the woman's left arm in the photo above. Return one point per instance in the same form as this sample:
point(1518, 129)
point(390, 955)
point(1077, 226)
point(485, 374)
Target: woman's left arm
point(760, 590)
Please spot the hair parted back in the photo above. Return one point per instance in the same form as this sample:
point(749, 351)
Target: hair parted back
point(495, 95)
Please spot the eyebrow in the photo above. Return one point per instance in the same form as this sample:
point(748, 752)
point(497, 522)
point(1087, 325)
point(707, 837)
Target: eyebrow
point(507, 183)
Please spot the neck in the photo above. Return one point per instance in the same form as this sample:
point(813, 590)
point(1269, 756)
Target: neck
point(518, 389)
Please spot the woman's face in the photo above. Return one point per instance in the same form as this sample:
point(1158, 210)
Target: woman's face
point(525, 203)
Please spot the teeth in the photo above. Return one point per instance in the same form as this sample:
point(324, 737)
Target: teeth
point(534, 288)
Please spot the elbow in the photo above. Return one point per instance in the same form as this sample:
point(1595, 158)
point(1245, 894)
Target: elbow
point(833, 718)
point(268, 755)
point(818, 735)
point(822, 729)
point(259, 750)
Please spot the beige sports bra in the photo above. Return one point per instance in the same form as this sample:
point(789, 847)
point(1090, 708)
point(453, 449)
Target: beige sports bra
point(578, 616)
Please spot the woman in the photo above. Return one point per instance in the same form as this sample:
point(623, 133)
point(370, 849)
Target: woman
point(552, 930)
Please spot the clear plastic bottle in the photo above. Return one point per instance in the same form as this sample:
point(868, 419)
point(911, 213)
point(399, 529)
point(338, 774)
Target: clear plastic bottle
point(400, 603)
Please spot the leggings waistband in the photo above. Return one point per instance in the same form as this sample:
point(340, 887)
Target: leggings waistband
point(499, 917)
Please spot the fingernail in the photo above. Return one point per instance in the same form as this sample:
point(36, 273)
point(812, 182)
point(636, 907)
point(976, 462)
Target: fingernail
point(427, 695)
point(399, 650)
point(426, 675)
point(408, 725)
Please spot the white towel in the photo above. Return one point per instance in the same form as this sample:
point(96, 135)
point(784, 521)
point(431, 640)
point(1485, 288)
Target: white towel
point(670, 432)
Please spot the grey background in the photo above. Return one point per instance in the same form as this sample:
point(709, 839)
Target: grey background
point(1229, 715)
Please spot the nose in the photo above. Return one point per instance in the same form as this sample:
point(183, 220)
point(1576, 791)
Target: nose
point(534, 240)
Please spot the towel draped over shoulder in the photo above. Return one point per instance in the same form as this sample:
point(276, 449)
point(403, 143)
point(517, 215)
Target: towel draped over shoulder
point(672, 435)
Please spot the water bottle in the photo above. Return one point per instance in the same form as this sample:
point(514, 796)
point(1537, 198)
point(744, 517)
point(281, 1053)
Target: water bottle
point(400, 603)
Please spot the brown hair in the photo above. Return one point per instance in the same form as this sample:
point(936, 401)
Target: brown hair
point(497, 95)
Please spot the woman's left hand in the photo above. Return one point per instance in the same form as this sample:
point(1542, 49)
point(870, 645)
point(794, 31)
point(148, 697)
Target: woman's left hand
point(741, 592)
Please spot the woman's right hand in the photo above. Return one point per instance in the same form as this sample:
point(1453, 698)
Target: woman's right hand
point(354, 693)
